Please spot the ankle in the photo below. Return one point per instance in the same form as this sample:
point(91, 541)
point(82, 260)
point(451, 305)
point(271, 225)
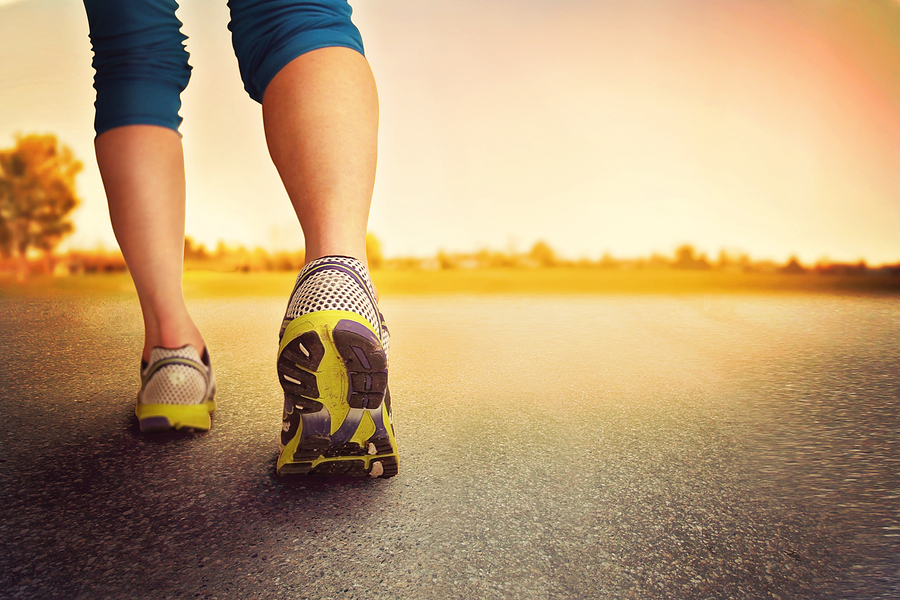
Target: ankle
point(172, 342)
point(346, 250)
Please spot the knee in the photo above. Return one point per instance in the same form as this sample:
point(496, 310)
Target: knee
point(268, 34)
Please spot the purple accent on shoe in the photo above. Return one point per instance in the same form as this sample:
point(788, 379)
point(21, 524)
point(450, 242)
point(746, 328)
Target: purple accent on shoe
point(155, 424)
point(339, 267)
point(313, 267)
point(316, 267)
point(347, 428)
point(291, 416)
point(365, 361)
point(175, 360)
point(315, 440)
point(333, 265)
point(361, 356)
point(301, 390)
point(348, 326)
point(362, 348)
point(363, 293)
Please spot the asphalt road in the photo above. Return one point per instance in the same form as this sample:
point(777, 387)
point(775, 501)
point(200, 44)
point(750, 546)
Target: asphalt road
point(723, 446)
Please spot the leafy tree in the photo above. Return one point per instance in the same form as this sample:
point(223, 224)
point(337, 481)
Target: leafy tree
point(684, 259)
point(194, 251)
point(543, 254)
point(37, 193)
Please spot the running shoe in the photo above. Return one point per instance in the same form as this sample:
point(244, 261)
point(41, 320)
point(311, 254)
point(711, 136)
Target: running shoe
point(177, 390)
point(333, 367)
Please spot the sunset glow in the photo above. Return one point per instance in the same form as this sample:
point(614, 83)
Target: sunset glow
point(770, 127)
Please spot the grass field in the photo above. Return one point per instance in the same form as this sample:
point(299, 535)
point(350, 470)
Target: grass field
point(557, 280)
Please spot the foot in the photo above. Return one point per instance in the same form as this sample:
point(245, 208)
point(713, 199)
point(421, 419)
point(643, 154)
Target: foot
point(333, 367)
point(177, 390)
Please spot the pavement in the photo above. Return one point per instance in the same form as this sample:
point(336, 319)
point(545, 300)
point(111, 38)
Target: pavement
point(552, 447)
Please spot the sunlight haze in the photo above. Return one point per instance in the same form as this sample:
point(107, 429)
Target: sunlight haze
point(768, 127)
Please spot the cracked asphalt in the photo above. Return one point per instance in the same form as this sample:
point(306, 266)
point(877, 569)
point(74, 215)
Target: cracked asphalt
point(690, 446)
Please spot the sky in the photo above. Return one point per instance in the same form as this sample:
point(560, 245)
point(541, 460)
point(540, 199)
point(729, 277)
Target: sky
point(770, 127)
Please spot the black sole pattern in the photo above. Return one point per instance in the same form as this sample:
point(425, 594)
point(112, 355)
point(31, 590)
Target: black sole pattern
point(366, 366)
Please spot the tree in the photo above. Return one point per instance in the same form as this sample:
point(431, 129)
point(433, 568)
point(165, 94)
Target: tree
point(542, 254)
point(684, 259)
point(37, 193)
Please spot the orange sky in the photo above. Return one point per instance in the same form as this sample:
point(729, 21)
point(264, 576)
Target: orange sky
point(771, 127)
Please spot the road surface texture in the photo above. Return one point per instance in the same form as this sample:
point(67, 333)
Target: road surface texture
point(552, 447)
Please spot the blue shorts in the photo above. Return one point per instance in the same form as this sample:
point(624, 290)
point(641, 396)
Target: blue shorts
point(142, 66)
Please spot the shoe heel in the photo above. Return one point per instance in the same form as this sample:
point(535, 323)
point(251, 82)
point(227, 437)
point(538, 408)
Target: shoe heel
point(159, 418)
point(366, 363)
point(333, 371)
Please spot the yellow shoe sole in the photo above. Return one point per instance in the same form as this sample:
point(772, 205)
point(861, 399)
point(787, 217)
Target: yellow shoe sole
point(337, 416)
point(155, 418)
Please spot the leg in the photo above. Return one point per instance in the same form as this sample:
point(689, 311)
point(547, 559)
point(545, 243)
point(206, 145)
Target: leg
point(141, 69)
point(320, 110)
point(303, 61)
point(321, 122)
point(143, 172)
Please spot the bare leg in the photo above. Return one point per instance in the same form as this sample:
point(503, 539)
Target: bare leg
point(143, 172)
point(321, 122)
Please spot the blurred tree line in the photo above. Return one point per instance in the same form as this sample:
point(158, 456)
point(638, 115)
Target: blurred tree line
point(37, 195)
point(242, 259)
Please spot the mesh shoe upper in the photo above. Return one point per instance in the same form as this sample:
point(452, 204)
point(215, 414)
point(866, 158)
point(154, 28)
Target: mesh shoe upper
point(332, 365)
point(176, 376)
point(336, 283)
